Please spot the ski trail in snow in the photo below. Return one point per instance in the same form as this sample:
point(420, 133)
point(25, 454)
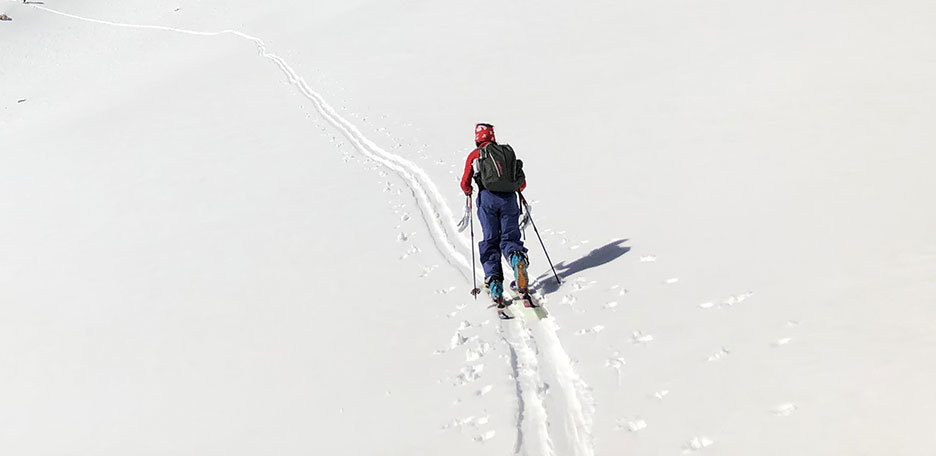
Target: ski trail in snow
point(571, 394)
point(531, 410)
point(533, 429)
point(438, 222)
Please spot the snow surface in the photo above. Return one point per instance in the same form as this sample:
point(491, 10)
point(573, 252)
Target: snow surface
point(228, 227)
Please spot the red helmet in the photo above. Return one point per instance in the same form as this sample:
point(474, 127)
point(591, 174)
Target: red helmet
point(484, 133)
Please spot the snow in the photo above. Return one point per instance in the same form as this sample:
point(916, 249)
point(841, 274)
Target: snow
point(229, 228)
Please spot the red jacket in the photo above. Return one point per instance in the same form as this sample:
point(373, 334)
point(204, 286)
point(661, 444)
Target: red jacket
point(469, 171)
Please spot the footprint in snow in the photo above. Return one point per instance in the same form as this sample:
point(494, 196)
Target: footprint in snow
point(486, 389)
point(661, 394)
point(582, 283)
point(727, 302)
point(593, 330)
point(621, 291)
point(412, 250)
point(696, 444)
point(469, 374)
point(636, 425)
point(427, 270)
point(486, 436)
point(477, 352)
point(671, 281)
point(641, 338)
point(784, 409)
point(781, 342)
point(459, 423)
point(611, 305)
point(617, 363)
point(737, 299)
point(631, 424)
point(720, 355)
point(648, 259)
point(458, 340)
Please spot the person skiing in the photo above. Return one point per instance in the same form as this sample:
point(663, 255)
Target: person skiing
point(499, 177)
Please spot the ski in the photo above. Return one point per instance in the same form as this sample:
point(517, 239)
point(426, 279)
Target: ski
point(527, 298)
point(528, 301)
point(501, 307)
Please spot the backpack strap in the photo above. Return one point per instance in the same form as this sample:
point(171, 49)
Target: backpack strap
point(477, 173)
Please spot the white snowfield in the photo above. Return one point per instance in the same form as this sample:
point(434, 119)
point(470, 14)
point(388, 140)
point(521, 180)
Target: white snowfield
point(228, 228)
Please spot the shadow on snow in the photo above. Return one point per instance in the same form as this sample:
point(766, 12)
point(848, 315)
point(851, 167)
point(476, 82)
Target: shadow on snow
point(597, 257)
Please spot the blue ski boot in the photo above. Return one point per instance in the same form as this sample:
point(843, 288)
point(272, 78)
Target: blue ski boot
point(496, 290)
point(496, 287)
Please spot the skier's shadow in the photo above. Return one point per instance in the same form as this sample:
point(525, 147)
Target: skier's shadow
point(602, 255)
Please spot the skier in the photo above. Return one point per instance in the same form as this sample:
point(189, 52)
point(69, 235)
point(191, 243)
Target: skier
point(499, 176)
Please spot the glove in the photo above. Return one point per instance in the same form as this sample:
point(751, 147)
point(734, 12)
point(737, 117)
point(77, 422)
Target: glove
point(525, 221)
point(466, 219)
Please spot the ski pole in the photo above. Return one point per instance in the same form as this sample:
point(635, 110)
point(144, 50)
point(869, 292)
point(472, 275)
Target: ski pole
point(474, 274)
point(530, 215)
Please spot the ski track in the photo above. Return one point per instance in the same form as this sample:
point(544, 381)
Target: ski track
point(570, 393)
point(532, 419)
point(535, 349)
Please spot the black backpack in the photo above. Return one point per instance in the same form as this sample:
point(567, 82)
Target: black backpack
point(499, 169)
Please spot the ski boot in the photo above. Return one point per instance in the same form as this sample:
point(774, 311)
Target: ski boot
point(496, 290)
point(519, 263)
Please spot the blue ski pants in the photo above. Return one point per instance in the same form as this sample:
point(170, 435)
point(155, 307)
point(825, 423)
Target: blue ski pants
point(499, 214)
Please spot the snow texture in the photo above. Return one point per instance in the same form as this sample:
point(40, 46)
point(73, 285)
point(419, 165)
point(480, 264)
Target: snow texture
point(230, 228)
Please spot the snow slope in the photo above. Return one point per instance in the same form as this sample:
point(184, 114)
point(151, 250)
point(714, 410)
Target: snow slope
point(228, 228)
